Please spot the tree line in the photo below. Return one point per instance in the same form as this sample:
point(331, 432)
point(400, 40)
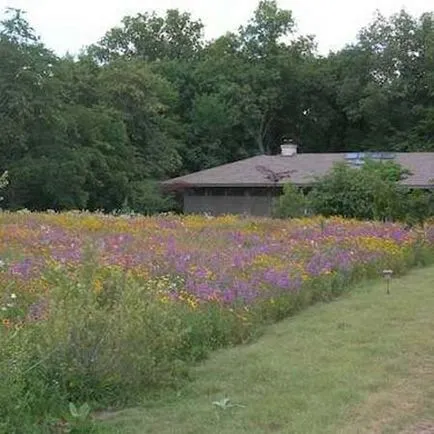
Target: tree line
point(153, 99)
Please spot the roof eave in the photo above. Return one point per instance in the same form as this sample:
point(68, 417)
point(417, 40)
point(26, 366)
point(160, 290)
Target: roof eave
point(186, 185)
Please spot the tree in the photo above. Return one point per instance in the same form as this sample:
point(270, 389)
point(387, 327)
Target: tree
point(32, 130)
point(27, 93)
point(152, 100)
point(253, 76)
point(66, 148)
point(144, 100)
point(391, 93)
point(262, 50)
point(150, 37)
point(262, 37)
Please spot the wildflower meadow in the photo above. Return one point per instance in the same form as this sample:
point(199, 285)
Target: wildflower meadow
point(100, 310)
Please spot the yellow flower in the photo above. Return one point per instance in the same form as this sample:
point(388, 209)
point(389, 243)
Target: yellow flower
point(97, 286)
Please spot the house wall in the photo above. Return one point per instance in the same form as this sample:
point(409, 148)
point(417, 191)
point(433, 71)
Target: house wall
point(218, 201)
point(229, 201)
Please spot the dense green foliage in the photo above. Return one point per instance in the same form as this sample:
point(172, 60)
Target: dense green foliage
point(152, 99)
point(293, 203)
point(371, 192)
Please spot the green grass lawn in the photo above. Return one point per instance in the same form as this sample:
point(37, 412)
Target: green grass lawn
point(362, 364)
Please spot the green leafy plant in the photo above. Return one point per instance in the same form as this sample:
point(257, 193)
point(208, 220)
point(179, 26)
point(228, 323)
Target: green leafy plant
point(419, 206)
point(370, 192)
point(292, 204)
point(81, 413)
point(79, 419)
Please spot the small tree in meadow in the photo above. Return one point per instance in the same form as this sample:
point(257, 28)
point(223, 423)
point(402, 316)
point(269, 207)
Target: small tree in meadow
point(292, 204)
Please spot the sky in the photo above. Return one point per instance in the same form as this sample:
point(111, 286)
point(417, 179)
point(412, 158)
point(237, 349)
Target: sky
point(69, 25)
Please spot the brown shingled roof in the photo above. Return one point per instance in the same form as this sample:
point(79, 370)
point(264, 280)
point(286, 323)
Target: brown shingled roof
point(303, 167)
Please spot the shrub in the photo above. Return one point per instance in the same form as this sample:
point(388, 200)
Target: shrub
point(419, 206)
point(371, 192)
point(107, 343)
point(147, 197)
point(292, 204)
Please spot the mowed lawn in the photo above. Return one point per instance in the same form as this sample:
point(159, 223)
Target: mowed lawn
point(361, 364)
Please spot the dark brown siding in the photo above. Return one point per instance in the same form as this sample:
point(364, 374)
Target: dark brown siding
point(242, 201)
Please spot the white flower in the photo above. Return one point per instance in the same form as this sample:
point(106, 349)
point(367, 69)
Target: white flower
point(13, 296)
point(4, 308)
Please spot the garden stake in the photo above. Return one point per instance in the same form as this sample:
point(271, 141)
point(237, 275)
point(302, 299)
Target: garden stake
point(387, 275)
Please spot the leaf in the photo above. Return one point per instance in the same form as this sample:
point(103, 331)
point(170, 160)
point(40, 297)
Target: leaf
point(73, 410)
point(84, 411)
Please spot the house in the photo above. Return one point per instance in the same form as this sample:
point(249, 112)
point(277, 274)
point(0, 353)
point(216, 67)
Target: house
point(249, 186)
